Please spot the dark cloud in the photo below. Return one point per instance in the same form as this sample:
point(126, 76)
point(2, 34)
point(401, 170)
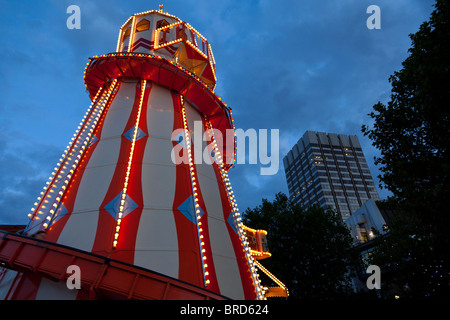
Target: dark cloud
point(24, 169)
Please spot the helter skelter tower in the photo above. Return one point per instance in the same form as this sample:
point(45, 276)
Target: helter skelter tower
point(135, 222)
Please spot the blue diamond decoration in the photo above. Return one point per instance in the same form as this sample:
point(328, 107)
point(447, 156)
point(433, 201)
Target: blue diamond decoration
point(60, 212)
point(179, 138)
point(187, 208)
point(114, 206)
point(230, 221)
point(129, 134)
point(93, 140)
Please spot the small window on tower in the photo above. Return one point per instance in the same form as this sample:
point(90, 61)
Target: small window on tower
point(126, 34)
point(143, 25)
point(161, 23)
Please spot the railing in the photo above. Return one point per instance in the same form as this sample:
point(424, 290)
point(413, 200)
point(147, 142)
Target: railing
point(184, 32)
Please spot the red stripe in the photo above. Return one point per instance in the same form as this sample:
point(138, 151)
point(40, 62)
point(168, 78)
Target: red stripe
point(190, 269)
point(142, 42)
point(125, 250)
point(141, 45)
point(214, 284)
point(106, 223)
point(244, 269)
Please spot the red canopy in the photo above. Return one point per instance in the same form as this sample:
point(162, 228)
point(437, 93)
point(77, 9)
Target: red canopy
point(103, 69)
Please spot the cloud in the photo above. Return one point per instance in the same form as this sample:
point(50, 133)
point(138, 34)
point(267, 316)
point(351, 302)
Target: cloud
point(24, 169)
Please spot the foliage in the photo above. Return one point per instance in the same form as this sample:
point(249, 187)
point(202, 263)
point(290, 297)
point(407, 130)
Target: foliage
point(412, 132)
point(311, 249)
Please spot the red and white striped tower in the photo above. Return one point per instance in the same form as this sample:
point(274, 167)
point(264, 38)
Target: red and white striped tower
point(117, 193)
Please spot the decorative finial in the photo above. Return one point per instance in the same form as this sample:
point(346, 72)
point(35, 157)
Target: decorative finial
point(161, 7)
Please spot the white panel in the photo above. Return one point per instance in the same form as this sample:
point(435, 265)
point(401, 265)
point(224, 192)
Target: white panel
point(93, 188)
point(224, 257)
point(158, 186)
point(160, 112)
point(91, 192)
point(97, 176)
point(159, 152)
point(158, 171)
point(108, 155)
point(125, 96)
point(156, 245)
point(157, 124)
point(211, 194)
point(160, 98)
point(79, 231)
point(115, 122)
point(145, 34)
point(231, 287)
point(55, 290)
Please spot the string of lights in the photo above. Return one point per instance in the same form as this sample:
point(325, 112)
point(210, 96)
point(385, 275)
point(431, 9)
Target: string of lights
point(78, 153)
point(56, 186)
point(129, 164)
point(133, 31)
point(235, 211)
point(195, 194)
point(271, 276)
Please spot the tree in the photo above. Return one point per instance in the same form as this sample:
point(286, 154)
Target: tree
point(412, 132)
point(311, 249)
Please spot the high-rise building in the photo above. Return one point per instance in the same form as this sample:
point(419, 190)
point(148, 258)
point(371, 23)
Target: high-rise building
point(329, 170)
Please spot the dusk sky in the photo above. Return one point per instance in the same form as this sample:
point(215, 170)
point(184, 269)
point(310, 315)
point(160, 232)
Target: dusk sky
point(287, 65)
